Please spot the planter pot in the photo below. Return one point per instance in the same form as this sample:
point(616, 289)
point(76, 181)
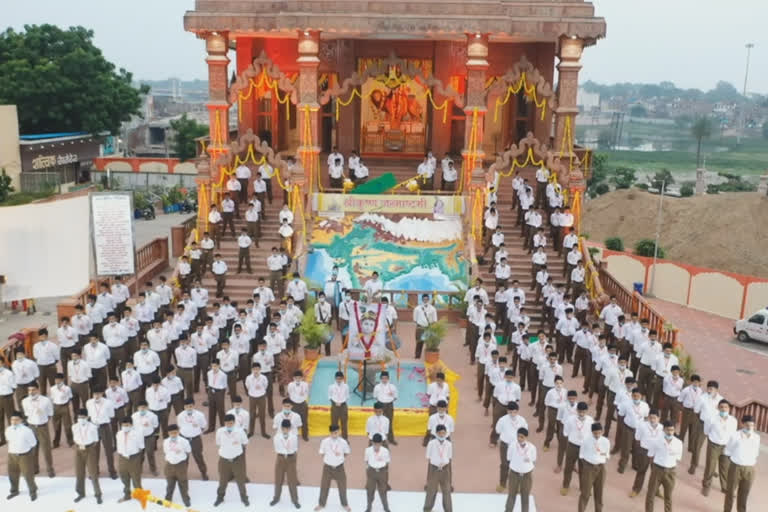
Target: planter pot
point(136, 213)
point(431, 356)
point(311, 354)
point(168, 209)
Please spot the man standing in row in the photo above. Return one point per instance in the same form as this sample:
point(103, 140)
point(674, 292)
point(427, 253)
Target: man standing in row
point(334, 450)
point(86, 437)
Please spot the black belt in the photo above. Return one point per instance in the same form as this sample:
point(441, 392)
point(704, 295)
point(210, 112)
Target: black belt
point(216, 390)
point(379, 469)
point(6, 396)
point(46, 365)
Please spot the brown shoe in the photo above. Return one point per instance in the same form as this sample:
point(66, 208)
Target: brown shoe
point(705, 491)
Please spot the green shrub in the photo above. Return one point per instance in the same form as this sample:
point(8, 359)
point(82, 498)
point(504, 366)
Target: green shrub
point(5, 186)
point(642, 186)
point(645, 247)
point(624, 177)
point(686, 190)
point(602, 188)
point(614, 244)
point(713, 189)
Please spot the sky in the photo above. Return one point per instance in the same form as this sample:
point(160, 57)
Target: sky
point(693, 43)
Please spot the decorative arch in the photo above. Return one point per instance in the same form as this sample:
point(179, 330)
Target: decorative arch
point(533, 77)
point(241, 145)
point(540, 151)
point(262, 64)
point(382, 67)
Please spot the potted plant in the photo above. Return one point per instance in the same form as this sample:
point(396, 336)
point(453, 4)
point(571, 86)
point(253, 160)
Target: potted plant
point(459, 311)
point(432, 338)
point(313, 333)
point(140, 203)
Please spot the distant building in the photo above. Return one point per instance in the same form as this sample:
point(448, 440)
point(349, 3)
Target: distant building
point(587, 101)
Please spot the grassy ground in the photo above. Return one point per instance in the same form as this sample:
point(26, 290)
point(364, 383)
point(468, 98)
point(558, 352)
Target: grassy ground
point(24, 198)
point(749, 156)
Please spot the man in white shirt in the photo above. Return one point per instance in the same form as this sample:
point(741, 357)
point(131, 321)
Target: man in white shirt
point(377, 423)
point(146, 361)
point(610, 316)
point(664, 453)
point(547, 375)
point(231, 441)
point(86, 438)
point(542, 178)
point(257, 385)
point(360, 173)
point(424, 315)
point(146, 422)
point(521, 457)
point(219, 269)
point(334, 450)
point(335, 155)
point(439, 455)
point(47, 355)
point(176, 450)
point(338, 395)
point(96, 354)
point(192, 425)
point(475, 323)
point(228, 211)
point(646, 434)
point(61, 397)
point(593, 454)
point(38, 410)
point(373, 287)
point(438, 391)
point(286, 445)
point(130, 447)
point(244, 243)
point(705, 408)
point(426, 174)
point(377, 459)
point(662, 367)
point(507, 428)
point(298, 290)
point(576, 430)
point(7, 387)
point(267, 171)
point(336, 172)
point(68, 339)
point(159, 399)
point(298, 392)
point(450, 176)
point(742, 449)
point(505, 394)
point(243, 175)
point(719, 430)
point(386, 393)
point(21, 447)
point(553, 401)
point(275, 267)
point(634, 410)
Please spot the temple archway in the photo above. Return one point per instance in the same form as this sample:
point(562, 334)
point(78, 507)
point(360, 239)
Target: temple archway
point(531, 152)
point(519, 101)
point(266, 99)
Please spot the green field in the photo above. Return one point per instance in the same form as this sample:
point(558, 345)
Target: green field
point(720, 153)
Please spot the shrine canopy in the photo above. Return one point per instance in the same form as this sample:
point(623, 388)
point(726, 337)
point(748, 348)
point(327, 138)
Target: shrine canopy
point(511, 20)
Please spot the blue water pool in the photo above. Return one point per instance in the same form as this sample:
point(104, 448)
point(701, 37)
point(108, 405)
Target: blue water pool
point(411, 386)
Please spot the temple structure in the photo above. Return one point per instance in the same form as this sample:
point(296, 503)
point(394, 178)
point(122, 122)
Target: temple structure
point(393, 79)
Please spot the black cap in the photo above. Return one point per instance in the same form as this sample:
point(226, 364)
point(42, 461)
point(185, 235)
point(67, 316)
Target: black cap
point(229, 417)
point(285, 424)
point(333, 428)
point(377, 438)
point(523, 431)
point(582, 406)
point(189, 401)
point(82, 412)
point(596, 426)
point(512, 406)
point(440, 428)
point(442, 403)
point(747, 417)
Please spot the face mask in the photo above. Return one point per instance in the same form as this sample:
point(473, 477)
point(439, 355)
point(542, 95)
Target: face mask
point(322, 300)
point(189, 412)
point(667, 355)
point(143, 413)
point(126, 429)
point(668, 437)
point(174, 438)
point(441, 439)
point(286, 411)
point(723, 414)
point(144, 350)
point(635, 401)
point(285, 435)
point(230, 429)
point(747, 430)
point(82, 421)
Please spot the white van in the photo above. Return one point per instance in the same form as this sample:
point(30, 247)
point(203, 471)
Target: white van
point(755, 327)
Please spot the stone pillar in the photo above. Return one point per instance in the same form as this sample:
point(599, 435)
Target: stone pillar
point(567, 89)
point(701, 185)
point(475, 206)
point(475, 108)
point(216, 44)
point(245, 57)
point(298, 178)
point(308, 108)
point(762, 187)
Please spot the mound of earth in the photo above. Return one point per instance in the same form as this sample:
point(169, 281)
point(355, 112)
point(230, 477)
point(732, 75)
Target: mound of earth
point(725, 231)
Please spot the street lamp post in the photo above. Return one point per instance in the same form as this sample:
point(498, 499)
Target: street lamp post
point(743, 122)
point(652, 290)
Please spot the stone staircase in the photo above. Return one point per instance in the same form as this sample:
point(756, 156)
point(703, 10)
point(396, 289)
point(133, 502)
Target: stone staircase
point(519, 259)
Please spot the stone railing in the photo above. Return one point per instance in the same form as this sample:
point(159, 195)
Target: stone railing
point(633, 302)
point(755, 408)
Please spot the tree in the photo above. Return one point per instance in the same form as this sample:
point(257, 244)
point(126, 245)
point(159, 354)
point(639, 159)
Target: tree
point(686, 190)
point(701, 129)
point(662, 176)
point(638, 111)
point(624, 177)
point(646, 247)
point(61, 82)
point(724, 92)
point(5, 185)
point(185, 132)
point(605, 139)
